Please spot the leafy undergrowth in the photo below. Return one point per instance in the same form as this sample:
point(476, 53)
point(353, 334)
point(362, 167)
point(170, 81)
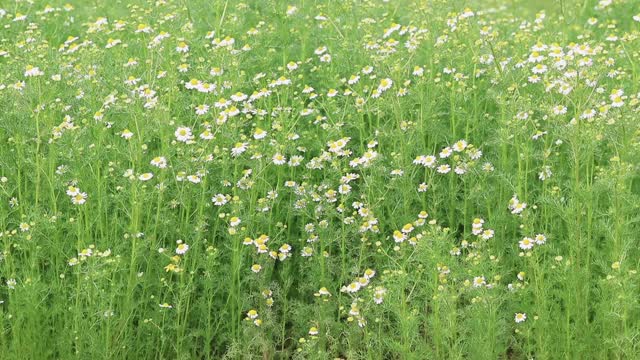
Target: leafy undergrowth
point(319, 179)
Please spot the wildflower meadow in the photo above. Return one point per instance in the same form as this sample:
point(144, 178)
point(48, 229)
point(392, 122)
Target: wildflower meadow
point(319, 179)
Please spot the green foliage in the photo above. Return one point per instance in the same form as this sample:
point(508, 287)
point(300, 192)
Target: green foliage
point(190, 179)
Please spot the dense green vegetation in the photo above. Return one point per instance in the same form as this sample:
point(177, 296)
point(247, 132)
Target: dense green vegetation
point(319, 179)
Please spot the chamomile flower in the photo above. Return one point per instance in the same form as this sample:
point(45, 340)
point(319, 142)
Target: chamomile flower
point(444, 169)
point(526, 243)
point(219, 199)
point(279, 159)
point(182, 47)
point(487, 234)
point(127, 134)
point(73, 191)
point(206, 135)
point(353, 287)
point(85, 253)
point(202, 109)
point(399, 236)
point(194, 179)
point(259, 134)
point(369, 273)
point(31, 71)
point(252, 314)
point(79, 198)
point(479, 281)
point(445, 153)
point(540, 239)
point(385, 84)
point(145, 176)
point(520, 317)
point(238, 149)
point(474, 154)
point(407, 228)
point(159, 162)
point(423, 187)
point(459, 146)
point(516, 206)
point(182, 248)
point(183, 134)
